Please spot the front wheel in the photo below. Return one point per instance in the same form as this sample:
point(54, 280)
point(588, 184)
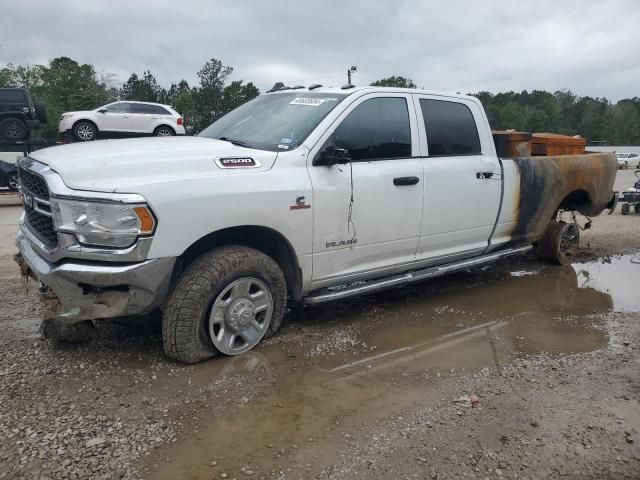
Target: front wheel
point(226, 301)
point(559, 244)
point(85, 131)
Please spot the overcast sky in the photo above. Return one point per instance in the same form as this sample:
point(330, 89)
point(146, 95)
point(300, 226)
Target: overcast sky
point(590, 47)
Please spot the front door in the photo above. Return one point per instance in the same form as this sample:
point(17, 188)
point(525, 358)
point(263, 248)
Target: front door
point(367, 213)
point(117, 118)
point(463, 179)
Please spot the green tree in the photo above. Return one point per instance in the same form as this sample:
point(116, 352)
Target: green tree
point(394, 81)
point(145, 89)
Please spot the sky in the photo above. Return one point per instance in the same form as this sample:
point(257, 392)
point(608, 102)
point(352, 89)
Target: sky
point(589, 47)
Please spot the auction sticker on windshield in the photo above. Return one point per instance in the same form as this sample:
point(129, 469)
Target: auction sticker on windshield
point(309, 101)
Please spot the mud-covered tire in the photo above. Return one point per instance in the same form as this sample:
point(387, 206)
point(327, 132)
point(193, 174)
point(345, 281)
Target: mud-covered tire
point(560, 243)
point(185, 330)
point(625, 209)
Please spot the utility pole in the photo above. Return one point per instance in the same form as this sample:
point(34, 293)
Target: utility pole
point(349, 72)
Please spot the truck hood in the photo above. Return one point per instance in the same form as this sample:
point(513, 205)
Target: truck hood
point(120, 165)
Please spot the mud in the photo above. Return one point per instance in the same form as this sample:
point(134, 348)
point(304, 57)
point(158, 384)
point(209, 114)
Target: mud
point(286, 408)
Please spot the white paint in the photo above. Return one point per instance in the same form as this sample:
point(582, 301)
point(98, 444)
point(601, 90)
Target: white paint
point(450, 212)
point(123, 122)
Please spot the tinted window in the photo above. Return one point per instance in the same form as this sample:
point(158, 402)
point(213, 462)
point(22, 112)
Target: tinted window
point(148, 109)
point(633, 155)
point(12, 96)
point(118, 108)
point(377, 128)
point(451, 129)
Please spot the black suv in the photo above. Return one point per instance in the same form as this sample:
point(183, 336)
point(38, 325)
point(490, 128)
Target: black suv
point(19, 114)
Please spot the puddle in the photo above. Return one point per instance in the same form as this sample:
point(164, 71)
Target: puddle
point(292, 401)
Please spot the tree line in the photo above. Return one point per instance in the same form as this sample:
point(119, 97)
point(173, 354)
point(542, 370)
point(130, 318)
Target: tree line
point(66, 85)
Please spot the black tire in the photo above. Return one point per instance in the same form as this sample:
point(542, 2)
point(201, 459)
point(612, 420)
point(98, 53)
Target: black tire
point(164, 131)
point(185, 315)
point(560, 243)
point(41, 112)
point(14, 182)
point(636, 207)
point(13, 129)
point(85, 131)
point(625, 209)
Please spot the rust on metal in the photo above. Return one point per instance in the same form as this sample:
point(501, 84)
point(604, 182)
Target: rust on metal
point(582, 183)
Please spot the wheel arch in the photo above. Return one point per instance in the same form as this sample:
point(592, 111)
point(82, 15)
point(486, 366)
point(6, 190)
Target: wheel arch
point(579, 200)
point(264, 239)
point(160, 125)
point(85, 119)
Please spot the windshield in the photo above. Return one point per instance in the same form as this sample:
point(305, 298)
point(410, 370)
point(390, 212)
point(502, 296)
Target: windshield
point(274, 122)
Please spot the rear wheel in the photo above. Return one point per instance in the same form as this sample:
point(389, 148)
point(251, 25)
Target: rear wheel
point(636, 207)
point(226, 301)
point(163, 131)
point(13, 129)
point(84, 131)
point(559, 244)
point(625, 209)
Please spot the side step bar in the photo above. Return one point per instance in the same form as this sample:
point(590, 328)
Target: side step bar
point(410, 277)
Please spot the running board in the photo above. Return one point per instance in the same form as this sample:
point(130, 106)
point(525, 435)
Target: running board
point(410, 277)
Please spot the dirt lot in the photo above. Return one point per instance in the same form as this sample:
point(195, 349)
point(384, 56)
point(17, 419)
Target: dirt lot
point(518, 370)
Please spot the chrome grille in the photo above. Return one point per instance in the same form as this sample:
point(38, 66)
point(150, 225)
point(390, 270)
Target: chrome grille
point(42, 227)
point(33, 183)
point(37, 209)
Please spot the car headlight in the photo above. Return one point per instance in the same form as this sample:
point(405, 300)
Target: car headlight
point(103, 224)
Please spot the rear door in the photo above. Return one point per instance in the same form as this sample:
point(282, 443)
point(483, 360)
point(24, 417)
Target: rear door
point(367, 213)
point(462, 179)
point(146, 117)
point(117, 118)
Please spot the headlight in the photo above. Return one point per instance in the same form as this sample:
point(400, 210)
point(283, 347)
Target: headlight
point(115, 225)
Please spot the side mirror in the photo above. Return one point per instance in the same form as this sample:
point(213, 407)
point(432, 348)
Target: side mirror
point(103, 110)
point(332, 156)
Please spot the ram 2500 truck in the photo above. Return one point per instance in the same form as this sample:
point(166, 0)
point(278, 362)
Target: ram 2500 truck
point(305, 194)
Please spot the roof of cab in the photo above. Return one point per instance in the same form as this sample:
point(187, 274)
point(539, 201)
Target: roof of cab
point(354, 89)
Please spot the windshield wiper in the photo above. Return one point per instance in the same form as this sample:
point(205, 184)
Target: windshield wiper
point(239, 143)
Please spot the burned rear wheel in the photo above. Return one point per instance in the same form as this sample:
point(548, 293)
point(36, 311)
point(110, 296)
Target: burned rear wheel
point(560, 242)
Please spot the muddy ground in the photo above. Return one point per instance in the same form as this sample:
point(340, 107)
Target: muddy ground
point(517, 370)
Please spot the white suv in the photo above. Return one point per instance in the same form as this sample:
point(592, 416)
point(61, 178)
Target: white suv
point(122, 119)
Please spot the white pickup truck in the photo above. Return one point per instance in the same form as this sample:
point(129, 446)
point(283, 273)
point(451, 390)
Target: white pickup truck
point(308, 194)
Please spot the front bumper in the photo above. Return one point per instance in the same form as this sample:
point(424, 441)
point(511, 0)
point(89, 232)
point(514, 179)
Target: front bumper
point(95, 290)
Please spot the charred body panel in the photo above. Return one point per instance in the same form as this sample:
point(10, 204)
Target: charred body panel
point(583, 183)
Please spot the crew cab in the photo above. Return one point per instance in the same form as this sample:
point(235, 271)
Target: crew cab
point(121, 119)
point(307, 195)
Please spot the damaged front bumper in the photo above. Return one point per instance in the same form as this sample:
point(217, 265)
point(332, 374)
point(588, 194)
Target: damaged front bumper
point(90, 290)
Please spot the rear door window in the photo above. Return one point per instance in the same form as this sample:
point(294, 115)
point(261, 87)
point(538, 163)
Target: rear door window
point(450, 127)
point(376, 129)
point(149, 109)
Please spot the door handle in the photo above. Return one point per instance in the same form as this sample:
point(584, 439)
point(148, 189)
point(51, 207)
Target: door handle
point(483, 175)
point(403, 181)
